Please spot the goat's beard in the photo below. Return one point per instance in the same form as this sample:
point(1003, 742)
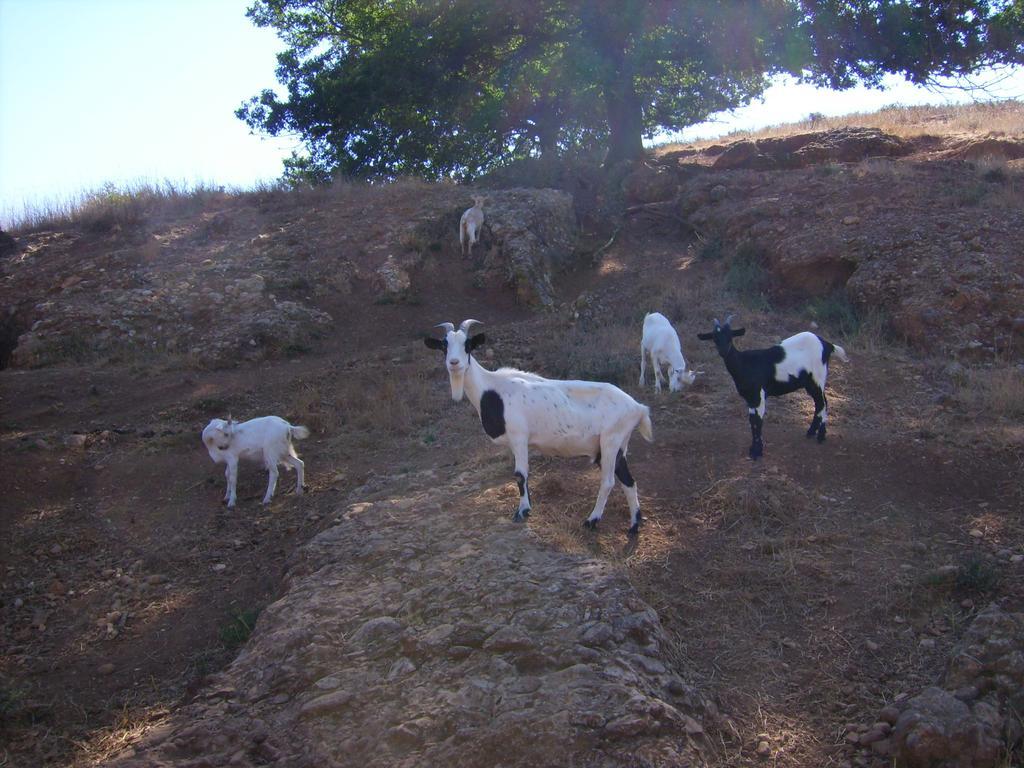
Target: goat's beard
point(458, 382)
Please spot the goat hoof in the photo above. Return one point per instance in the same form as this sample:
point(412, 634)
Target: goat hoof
point(521, 515)
point(756, 452)
point(821, 436)
point(634, 530)
point(590, 525)
point(812, 431)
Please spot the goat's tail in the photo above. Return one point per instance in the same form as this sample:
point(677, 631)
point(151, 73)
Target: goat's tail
point(645, 425)
point(840, 353)
point(299, 433)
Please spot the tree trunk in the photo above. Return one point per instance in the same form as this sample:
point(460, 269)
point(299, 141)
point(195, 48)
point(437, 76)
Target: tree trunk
point(625, 119)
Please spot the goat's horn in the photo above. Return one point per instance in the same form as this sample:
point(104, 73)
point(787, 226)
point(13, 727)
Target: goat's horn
point(466, 324)
point(729, 319)
point(447, 326)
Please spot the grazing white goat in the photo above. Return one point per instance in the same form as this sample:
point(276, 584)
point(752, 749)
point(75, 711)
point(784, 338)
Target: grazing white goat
point(799, 362)
point(267, 439)
point(558, 418)
point(662, 344)
point(470, 225)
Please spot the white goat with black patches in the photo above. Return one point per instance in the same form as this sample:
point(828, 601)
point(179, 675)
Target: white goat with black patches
point(661, 342)
point(267, 439)
point(470, 226)
point(558, 418)
point(799, 362)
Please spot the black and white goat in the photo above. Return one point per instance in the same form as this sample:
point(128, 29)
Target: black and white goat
point(559, 418)
point(799, 362)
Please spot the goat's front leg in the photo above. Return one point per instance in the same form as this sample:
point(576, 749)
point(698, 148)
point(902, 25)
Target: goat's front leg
point(643, 366)
point(231, 473)
point(272, 472)
point(656, 364)
point(608, 456)
point(820, 412)
point(756, 415)
point(522, 455)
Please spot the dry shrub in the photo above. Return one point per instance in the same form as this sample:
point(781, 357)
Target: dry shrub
point(997, 391)
point(608, 353)
point(766, 502)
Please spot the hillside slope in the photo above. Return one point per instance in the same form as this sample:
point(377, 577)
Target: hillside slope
point(767, 610)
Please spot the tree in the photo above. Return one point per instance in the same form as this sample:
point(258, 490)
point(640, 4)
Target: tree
point(455, 87)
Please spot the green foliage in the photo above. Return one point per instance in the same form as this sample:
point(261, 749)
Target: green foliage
point(977, 574)
point(835, 312)
point(438, 88)
point(238, 629)
point(747, 278)
point(711, 248)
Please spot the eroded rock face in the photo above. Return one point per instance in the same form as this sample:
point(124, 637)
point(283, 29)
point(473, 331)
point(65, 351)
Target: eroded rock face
point(971, 721)
point(842, 145)
point(421, 634)
point(534, 235)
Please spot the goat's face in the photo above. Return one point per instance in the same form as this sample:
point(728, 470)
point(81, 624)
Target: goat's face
point(679, 377)
point(217, 437)
point(722, 335)
point(456, 347)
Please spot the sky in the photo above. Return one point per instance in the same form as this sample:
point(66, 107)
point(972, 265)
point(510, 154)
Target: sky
point(129, 91)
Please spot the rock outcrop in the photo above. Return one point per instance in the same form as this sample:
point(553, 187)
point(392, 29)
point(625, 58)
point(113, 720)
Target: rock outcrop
point(973, 719)
point(419, 632)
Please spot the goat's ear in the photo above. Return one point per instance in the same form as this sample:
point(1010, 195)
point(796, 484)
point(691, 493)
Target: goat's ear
point(705, 336)
point(475, 341)
point(433, 343)
point(738, 332)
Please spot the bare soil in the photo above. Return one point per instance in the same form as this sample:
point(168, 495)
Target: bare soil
point(795, 590)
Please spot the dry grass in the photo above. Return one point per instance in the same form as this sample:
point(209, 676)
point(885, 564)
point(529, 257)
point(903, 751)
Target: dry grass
point(121, 206)
point(393, 403)
point(997, 391)
point(998, 119)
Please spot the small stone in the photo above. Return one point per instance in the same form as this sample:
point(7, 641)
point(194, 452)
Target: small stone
point(764, 749)
point(156, 578)
point(1016, 558)
point(967, 604)
point(927, 643)
point(850, 220)
point(889, 714)
point(105, 669)
point(975, 533)
point(76, 442)
point(871, 736)
point(18, 602)
point(882, 747)
point(219, 567)
point(691, 726)
point(55, 549)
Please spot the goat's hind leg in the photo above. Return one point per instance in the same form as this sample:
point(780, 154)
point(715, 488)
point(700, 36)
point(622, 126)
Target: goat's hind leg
point(300, 471)
point(608, 455)
point(522, 455)
point(272, 473)
point(629, 488)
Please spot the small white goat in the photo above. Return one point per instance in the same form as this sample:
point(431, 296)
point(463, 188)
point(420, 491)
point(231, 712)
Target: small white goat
point(558, 418)
point(470, 225)
point(267, 439)
point(661, 342)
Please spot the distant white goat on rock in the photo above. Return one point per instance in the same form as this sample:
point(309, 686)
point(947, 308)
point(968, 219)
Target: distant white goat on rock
point(559, 418)
point(267, 439)
point(470, 225)
point(661, 342)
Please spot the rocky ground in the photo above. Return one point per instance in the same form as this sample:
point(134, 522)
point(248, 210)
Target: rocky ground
point(832, 605)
